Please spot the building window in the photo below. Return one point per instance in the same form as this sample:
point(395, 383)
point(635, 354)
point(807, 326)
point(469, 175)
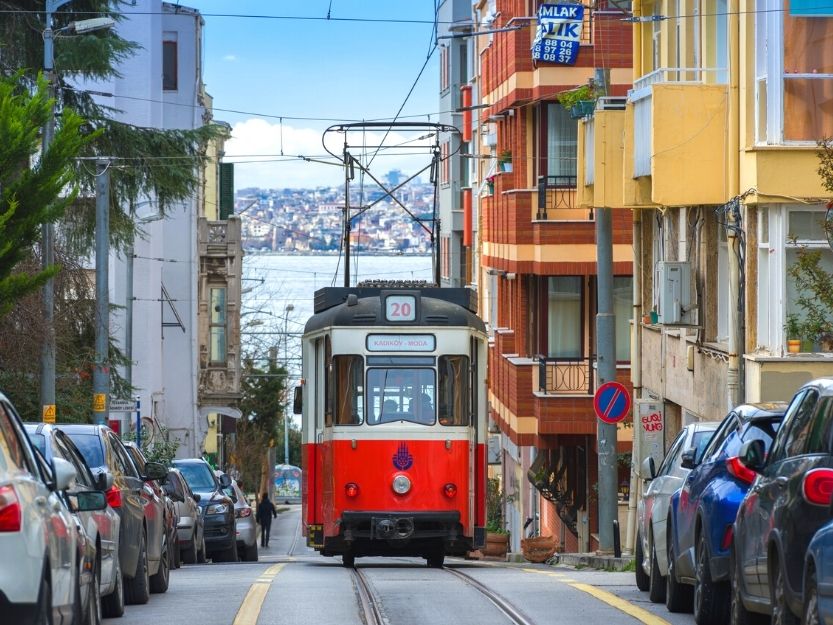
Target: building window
point(564, 317)
point(805, 229)
point(561, 138)
point(445, 256)
point(623, 311)
point(444, 68)
point(445, 164)
point(169, 62)
point(217, 326)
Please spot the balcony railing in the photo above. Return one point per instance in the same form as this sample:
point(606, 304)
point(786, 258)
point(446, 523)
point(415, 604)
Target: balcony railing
point(565, 376)
point(557, 199)
point(716, 75)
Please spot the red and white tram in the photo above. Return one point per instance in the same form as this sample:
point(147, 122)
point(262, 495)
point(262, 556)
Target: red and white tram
point(394, 422)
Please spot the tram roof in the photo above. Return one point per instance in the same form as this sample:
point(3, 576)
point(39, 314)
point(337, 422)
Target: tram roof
point(438, 306)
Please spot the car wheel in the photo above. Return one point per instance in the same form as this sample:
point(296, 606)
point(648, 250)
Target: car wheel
point(348, 560)
point(201, 553)
point(435, 560)
point(94, 600)
point(250, 553)
point(159, 582)
point(643, 580)
point(44, 611)
point(811, 601)
point(781, 613)
point(711, 600)
point(112, 605)
point(137, 590)
point(656, 589)
point(189, 552)
point(678, 597)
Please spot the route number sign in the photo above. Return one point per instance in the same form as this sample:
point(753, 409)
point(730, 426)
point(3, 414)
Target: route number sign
point(400, 308)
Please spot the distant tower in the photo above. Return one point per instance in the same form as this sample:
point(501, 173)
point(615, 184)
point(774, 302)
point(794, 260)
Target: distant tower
point(394, 177)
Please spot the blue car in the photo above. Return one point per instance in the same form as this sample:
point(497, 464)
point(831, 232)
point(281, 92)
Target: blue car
point(702, 513)
point(818, 578)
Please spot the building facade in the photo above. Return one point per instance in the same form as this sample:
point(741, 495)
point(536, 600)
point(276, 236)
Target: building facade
point(537, 272)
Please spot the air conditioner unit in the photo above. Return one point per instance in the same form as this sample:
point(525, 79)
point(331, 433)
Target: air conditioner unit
point(673, 284)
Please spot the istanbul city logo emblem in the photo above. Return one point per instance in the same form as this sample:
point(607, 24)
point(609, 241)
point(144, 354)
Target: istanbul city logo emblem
point(403, 460)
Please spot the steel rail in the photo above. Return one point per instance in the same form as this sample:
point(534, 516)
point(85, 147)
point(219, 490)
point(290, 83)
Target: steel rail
point(500, 603)
point(296, 534)
point(371, 613)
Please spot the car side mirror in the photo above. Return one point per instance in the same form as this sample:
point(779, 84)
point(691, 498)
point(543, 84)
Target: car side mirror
point(689, 459)
point(225, 480)
point(87, 501)
point(154, 471)
point(649, 469)
point(197, 497)
point(298, 400)
point(104, 480)
point(753, 455)
point(64, 473)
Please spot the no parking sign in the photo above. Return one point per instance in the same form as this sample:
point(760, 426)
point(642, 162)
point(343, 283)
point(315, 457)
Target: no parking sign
point(612, 402)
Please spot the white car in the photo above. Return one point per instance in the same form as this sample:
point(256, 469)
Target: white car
point(652, 510)
point(39, 538)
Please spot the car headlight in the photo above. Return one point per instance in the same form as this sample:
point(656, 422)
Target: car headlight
point(217, 508)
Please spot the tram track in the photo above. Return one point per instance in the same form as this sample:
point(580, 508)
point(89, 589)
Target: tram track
point(370, 603)
point(294, 541)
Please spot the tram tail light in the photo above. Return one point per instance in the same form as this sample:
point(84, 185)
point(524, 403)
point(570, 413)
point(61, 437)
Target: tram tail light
point(450, 490)
point(351, 489)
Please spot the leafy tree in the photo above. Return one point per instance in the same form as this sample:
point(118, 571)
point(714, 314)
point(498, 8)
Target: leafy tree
point(31, 195)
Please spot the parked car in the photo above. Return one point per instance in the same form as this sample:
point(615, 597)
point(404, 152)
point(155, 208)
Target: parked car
point(101, 527)
point(652, 508)
point(140, 534)
point(41, 570)
point(702, 513)
point(163, 506)
point(787, 504)
point(190, 535)
point(217, 508)
point(245, 523)
point(818, 577)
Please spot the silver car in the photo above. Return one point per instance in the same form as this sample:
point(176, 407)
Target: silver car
point(652, 510)
point(245, 524)
point(189, 529)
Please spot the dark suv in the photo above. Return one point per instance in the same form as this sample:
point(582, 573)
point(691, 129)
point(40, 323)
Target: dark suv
point(217, 508)
point(788, 502)
point(140, 536)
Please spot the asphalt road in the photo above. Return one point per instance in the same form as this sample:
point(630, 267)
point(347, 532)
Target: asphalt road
point(292, 585)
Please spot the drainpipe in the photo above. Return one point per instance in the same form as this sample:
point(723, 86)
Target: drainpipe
point(636, 378)
point(733, 147)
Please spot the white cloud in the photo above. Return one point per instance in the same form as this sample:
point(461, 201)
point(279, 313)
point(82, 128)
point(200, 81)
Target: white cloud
point(230, 58)
point(259, 140)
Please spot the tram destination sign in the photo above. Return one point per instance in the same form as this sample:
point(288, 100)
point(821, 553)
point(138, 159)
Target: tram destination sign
point(401, 342)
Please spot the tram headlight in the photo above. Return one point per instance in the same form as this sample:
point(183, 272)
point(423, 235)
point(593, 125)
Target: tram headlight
point(401, 484)
point(351, 489)
point(450, 490)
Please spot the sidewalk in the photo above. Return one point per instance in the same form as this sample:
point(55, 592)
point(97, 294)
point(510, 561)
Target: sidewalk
point(579, 561)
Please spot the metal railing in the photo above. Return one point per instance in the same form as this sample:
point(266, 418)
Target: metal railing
point(565, 376)
point(555, 193)
point(680, 74)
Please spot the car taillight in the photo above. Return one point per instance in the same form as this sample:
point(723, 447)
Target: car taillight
point(818, 486)
point(737, 469)
point(351, 489)
point(450, 490)
point(114, 497)
point(9, 510)
point(728, 534)
point(243, 512)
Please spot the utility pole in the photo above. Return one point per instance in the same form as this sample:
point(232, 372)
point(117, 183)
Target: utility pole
point(348, 166)
point(101, 373)
point(289, 308)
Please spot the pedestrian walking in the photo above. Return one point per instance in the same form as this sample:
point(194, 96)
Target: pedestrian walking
point(265, 513)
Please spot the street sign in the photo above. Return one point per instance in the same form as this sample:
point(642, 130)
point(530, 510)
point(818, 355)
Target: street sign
point(99, 402)
point(612, 402)
point(49, 413)
point(122, 405)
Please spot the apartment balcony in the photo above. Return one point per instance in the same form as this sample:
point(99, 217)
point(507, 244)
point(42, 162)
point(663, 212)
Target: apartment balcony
point(565, 376)
point(776, 378)
point(678, 136)
point(558, 200)
point(600, 155)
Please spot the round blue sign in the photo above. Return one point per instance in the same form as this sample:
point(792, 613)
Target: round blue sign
point(612, 402)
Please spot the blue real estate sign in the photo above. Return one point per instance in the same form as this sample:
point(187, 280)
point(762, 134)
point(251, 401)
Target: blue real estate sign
point(558, 36)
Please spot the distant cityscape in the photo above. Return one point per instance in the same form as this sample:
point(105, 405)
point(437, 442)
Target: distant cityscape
point(311, 220)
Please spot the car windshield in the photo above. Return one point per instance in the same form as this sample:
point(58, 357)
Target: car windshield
point(90, 447)
point(401, 395)
point(198, 476)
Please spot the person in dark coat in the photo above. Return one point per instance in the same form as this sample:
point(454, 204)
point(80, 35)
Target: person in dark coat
point(265, 513)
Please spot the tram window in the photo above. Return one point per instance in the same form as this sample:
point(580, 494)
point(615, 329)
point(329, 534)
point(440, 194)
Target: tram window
point(329, 383)
point(454, 390)
point(349, 390)
point(400, 394)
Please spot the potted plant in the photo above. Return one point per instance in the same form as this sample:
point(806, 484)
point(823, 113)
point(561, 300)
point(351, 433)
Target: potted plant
point(505, 161)
point(793, 329)
point(490, 181)
point(497, 539)
point(581, 101)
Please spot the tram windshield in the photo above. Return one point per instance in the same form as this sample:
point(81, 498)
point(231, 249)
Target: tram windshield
point(400, 394)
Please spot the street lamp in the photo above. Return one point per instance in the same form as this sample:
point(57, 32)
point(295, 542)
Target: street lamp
point(47, 386)
point(289, 308)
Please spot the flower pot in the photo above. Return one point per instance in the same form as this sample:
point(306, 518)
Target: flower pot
point(654, 316)
point(497, 545)
point(506, 167)
point(646, 318)
point(491, 187)
point(538, 549)
point(794, 346)
point(582, 108)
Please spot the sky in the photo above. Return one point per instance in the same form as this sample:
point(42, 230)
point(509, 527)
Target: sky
point(340, 70)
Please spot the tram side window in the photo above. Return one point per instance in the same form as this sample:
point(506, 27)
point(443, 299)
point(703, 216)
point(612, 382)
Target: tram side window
point(348, 389)
point(453, 395)
point(329, 383)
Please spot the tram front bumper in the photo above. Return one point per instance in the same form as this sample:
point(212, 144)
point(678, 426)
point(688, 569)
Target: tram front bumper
point(400, 526)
